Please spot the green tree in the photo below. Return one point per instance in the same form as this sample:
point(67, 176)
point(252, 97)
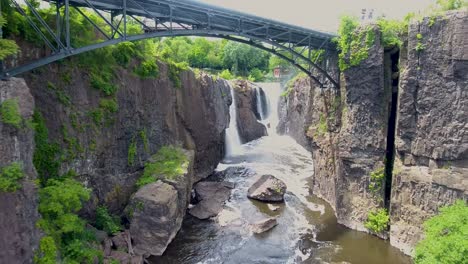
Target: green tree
point(446, 237)
point(242, 58)
point(452, 4)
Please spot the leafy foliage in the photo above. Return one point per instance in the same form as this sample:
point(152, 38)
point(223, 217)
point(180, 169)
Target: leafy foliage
point(169, 162)
point(174, 70)
point(10, 113)
point(59, 202)
point(226, 74)
point(10, 176)
point(46, 154)
point(47, 253)
point(445, 236)
point(377, 178)
point(107, 222)
point(147, 69)
point(8, 47)
point(452, 4)
point(353, 42)
point(377, 220)
point(392, 31)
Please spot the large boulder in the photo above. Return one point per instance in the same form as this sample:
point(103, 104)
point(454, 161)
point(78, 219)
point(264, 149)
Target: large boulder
point(267, 188)
point(211, 197)
point(153, 211)
point(263, 225)
point(246, 103)
point(156, 211)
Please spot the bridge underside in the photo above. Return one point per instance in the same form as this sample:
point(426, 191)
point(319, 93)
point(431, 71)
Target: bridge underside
point(167, 18)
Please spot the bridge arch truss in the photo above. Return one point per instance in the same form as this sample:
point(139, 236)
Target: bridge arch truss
point(169, 18)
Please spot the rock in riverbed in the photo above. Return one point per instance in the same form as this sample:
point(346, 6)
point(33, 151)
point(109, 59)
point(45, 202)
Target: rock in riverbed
point(264, 225)
point(267, 188)
point(211, 197)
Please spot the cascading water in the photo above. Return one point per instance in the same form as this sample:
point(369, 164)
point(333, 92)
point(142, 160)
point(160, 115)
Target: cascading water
point(272, 93)
point(260, 106)
point(307, 230)
point(233, 142)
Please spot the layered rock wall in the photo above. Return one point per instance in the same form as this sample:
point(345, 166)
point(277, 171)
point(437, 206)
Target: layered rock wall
point(431, 167)
point(18, 208)
point(109, 154)
point(350, 132)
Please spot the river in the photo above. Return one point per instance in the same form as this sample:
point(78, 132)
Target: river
point(307, 230)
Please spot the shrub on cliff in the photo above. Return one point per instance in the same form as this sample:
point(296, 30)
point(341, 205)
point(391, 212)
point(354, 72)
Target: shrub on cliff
point(10, 113)
point(105, 221)
point(377, 220)
point(446, 236)
point(10, 176)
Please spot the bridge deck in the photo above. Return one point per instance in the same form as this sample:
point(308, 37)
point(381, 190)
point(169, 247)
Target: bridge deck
point(203, 16)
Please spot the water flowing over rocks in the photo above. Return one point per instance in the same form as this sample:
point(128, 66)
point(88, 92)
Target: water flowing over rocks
point(18, 209)
point(264, 225)
point(349, 131)
point(247, 121)
point(267, 188)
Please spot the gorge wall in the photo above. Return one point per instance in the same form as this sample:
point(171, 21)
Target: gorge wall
point(20, 237)
point(408, 102)
point(106, 140)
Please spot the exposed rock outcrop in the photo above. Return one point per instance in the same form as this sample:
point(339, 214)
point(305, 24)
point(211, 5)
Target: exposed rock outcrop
point(267, 188)
point(211, 197)
point(111, 145)
point(263, 225)
point(431, 167)
point(348, 132)
point(18, 209)
point(247, 121)
point(156, 211)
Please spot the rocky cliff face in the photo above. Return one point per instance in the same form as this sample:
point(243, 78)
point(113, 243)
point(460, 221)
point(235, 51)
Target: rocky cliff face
point(108, 147)
point(18, 208)
point(431, 168)
point(247, 113)
point(106, 140)
point(350, 133)
point(346, 132)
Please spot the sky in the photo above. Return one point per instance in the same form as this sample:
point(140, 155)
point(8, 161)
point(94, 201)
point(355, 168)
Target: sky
point(321, 15)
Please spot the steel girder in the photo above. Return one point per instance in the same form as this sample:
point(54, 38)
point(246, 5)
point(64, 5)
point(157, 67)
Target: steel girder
point(179, 18)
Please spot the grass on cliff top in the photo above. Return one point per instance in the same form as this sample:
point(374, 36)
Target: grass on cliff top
point(168, 163)
point(445, 236)
point(10, 176)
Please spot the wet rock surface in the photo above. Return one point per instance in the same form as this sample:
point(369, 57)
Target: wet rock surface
point(263, 225)
point(247, 123)
point(211, 197)
point(267, 188)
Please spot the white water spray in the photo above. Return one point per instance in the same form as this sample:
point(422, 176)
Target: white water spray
point(272, 93)
point(260, 106)
point(233, 142)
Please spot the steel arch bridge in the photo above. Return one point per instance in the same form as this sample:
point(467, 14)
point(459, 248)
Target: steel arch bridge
point(168, 18)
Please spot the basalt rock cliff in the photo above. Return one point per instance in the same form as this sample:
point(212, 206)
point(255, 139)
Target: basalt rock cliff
point(402, 113)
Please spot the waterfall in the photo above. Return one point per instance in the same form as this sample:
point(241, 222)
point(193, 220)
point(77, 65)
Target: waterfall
point(233, 142)
point(272, 92)
point(260, 107)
